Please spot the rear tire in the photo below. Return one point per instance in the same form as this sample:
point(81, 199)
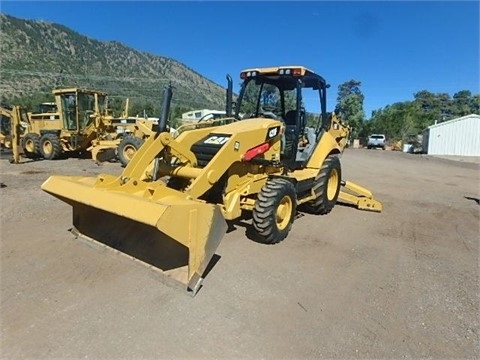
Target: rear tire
point(274, 210)
point(326, 187)
point(31, 145)
point(50, 147)
point(128, 148)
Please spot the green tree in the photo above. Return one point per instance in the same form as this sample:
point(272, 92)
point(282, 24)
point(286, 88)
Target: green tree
point(399, 120)
point(462, 103)
point(350, 106)
point(475, 104)
point(434, 107)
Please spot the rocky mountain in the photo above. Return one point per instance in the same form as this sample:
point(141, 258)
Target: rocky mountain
point(37, 56)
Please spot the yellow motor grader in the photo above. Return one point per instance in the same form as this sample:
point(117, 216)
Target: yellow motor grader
point(70, 124)
point(170, 205)
point(79, 120)
point(132, 133)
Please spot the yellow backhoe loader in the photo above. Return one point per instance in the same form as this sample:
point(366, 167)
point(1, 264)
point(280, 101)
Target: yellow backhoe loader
point(170, 205)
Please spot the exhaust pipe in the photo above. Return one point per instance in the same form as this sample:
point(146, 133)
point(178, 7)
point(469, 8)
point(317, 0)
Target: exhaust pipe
point(167, 98)
point(229, 97)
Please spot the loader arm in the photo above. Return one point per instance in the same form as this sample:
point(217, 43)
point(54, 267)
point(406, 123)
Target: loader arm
point(154, 148)
point(229, 143)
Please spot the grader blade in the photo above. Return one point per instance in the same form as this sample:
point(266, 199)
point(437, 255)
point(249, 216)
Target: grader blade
point(161, 227)
point(103, 150)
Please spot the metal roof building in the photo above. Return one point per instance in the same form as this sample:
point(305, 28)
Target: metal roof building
point(459, 137)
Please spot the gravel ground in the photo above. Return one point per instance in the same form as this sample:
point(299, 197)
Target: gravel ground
point(349, 285)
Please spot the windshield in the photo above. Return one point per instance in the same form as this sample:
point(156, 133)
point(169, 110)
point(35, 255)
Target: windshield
point(102, 103)
point(276, 97)
point(86, 107)
point(69, 104)
point(263, 99)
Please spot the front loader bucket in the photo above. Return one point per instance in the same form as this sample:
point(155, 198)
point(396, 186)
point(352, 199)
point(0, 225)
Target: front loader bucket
point(175, 235)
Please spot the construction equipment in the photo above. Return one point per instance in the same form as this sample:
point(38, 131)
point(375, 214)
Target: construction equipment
point(14, 121)
point(77, 117)
point(131, 133)
point(5, 126)
point(177, 193)
point(79, 120)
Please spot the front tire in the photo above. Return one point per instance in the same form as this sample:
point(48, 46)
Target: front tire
point(326, 187)
point(274, 210)
point(128, 148)
point(31, 145)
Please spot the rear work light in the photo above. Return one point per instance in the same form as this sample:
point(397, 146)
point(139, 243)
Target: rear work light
point(247, 74)
point(293, 71)
point(254, 152)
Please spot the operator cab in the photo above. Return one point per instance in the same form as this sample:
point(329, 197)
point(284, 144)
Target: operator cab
point(77, 106)
point(293, 95)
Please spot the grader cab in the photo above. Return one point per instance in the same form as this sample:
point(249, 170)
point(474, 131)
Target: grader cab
point(280, 152)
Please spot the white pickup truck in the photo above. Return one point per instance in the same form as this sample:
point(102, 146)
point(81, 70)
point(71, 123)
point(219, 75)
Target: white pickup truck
point(376, 141)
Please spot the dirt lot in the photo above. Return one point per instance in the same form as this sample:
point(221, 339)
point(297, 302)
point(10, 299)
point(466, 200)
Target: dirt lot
point(403, 283)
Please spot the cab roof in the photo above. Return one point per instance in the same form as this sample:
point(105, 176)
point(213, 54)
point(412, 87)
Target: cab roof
point(79, 90)
point(285, 74)
point(274, 70)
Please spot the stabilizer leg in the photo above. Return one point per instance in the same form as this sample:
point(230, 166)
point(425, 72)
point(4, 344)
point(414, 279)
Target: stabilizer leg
point(358, 196)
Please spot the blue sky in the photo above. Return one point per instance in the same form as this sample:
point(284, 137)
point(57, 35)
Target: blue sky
point(394, 48)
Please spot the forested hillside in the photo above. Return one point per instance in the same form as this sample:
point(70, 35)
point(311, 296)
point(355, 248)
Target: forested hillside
point(37, 56)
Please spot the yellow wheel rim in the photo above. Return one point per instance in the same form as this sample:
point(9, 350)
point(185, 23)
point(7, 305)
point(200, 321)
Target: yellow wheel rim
point(284, 212)
point(332, 185)
point(30, 146)
point(129, 151)
point(47, 147)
